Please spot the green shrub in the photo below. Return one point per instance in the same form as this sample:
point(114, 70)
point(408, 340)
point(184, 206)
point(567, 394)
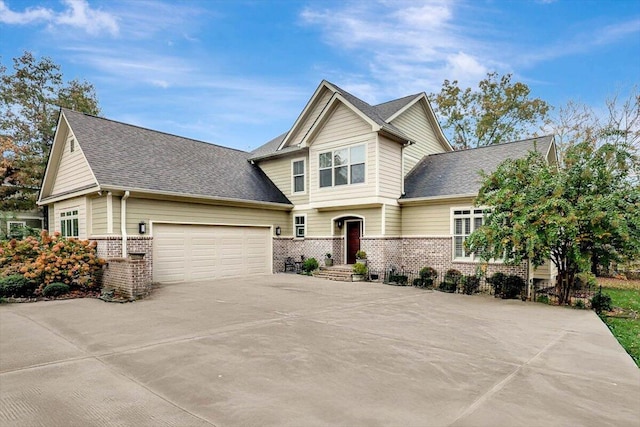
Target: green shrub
point(601, 302)
point(514, 286)
point(470, 284)
point(400, 279)
point(579, 304)
point(585, 280)
point(418, 282)
point(448, 287)
point(497, 281)
point(428, 275)
point(309, 265)
point(361, 255)
point(544, 299)
point(55, 289)
point(360, 269)
point(15, 285)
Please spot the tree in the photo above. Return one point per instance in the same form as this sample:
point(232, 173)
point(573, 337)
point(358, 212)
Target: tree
point(618, 124)
point(539, 211)
point(500, 111)
point(29, 101)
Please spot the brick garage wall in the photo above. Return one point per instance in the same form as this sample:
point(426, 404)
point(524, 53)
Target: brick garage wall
point(310, 247)
point(126, 278)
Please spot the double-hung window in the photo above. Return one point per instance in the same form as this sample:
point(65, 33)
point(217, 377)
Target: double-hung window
point(342, 167)
point(299, 225)
point(15, 228)
point(69, 223)
point(465, 222)
point(297, 171)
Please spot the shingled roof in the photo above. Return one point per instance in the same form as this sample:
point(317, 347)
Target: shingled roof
point(458, 172)
point(126, 156)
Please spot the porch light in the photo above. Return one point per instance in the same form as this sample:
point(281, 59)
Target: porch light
point(278, 230)
point(339, 223)
point(142, 227)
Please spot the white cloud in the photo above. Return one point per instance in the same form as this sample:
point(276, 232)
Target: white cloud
point(77, 14)
point(7, 16)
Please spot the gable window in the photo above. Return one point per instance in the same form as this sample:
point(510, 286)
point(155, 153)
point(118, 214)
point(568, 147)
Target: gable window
point(299, 225)
point(465, 222)
point(342, 167)
point(72, 146)
point(69, 223)
point(15, 228)
point(298, 176)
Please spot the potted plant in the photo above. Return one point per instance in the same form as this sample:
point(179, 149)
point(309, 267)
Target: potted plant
point(361, 257)
point(328, 261)
point(359, 272)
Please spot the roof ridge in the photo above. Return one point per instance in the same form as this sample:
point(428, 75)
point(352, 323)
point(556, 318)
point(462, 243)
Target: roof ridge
point(154, 131)
point(493, 145)
point(415, 95)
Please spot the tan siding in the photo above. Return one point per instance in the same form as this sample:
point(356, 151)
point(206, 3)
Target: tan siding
point(433, 218)
point(181, 212)
point(116, 215)
point(389, 169)
point(546, 271)
point(393, 221)
point(312, 115)
point(319, 223)
point(73, 170)
point(415, 123)
point(99, 215)
point(52, 218)
point(280, 172)
point(79, 203)
point(342, 123)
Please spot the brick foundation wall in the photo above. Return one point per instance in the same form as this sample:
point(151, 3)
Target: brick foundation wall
point(404, 253)
point(311, 247)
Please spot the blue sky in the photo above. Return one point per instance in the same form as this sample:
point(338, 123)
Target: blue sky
point(238, 73)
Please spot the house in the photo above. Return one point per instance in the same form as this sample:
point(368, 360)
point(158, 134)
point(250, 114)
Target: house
point(12, 224)
point(346, 176)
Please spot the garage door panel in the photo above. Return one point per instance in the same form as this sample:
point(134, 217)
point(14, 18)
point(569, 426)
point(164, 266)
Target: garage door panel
point(197, 252)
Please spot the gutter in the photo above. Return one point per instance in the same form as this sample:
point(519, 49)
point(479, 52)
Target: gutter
point(426, 199)
point(123, 222)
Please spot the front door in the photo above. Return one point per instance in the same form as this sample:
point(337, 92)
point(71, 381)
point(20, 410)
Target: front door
point(353, 240)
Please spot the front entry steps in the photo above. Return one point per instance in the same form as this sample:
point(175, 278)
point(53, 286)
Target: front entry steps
point(339, 273)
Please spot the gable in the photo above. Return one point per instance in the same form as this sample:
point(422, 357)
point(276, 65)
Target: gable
point(341, 122)
point(67, 169)
point(308, 117)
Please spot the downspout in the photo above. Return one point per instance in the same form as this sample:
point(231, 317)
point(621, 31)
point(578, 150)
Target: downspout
point(123, 222)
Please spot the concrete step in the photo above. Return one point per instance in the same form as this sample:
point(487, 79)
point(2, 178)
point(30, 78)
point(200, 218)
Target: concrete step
point(342, 273)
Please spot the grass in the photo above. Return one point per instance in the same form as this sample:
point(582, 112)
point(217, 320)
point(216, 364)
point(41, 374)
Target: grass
point(624, 320)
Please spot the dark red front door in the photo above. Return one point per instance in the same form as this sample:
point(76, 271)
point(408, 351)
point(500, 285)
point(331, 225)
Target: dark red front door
point(353, 241)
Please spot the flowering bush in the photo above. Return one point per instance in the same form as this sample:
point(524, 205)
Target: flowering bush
point(50, 258)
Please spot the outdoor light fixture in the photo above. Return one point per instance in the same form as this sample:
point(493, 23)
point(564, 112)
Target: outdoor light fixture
point(278, 230)
point(142, 227)
point(339, 223)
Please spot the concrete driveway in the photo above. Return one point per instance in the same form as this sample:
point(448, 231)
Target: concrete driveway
point(300, 351)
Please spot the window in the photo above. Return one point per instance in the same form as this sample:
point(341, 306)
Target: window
point(69, 223)
point(299, 223)
point(465, 221)
point(342, 167)
point(15, 228)
point(72, 145)
point(298, 176)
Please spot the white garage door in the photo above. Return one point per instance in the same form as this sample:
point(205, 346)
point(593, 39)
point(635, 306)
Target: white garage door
point(202, 252)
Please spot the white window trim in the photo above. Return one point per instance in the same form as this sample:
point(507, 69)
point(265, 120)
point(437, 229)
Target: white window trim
point(295, 233)
point(304, 176)
point(472, 215)
point(349, 164)
point(10, 223)
point(75, 216)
